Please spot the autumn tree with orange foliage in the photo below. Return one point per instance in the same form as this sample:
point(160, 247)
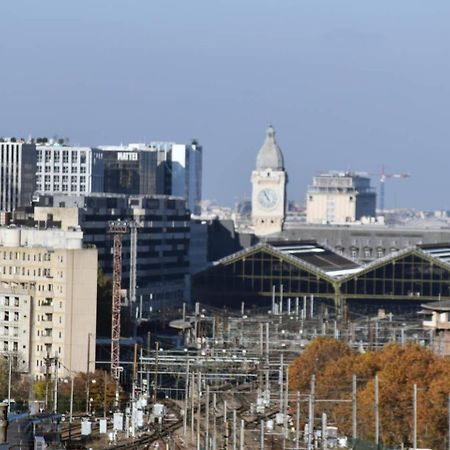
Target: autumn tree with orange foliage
point(398, 368)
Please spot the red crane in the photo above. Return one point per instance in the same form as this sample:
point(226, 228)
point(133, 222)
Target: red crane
point(117, 229)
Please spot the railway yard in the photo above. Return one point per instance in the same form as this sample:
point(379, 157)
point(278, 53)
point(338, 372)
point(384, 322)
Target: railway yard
point(226, 386)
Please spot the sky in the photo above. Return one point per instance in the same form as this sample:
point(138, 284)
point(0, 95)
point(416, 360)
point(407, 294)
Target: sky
point(348, 84)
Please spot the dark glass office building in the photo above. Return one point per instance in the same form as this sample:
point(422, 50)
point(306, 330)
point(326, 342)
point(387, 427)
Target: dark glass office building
point(133, 171)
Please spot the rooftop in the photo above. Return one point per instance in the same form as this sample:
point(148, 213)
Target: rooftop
point(270, 155)
point(317, 255)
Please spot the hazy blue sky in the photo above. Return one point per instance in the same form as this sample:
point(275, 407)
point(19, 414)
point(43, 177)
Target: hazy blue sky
point(347, 84)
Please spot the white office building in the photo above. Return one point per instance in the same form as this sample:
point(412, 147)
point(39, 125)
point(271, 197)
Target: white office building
point(68, 170)
point(17, 174)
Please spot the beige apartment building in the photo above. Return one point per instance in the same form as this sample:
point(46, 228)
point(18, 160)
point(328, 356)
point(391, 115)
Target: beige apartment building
point(48, 299)
point(340, 197)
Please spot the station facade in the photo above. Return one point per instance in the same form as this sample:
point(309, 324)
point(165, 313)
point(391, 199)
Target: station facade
point(398, 282)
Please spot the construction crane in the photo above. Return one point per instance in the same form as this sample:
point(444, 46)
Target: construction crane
point(117, 229)
point(382, 177)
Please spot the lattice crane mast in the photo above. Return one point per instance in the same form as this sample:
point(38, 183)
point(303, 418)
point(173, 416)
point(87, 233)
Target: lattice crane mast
point(117, 229)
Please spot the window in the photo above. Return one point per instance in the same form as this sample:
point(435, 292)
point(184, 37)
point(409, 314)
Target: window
point(65, 156)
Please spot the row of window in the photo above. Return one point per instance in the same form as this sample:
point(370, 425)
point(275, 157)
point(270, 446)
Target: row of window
point(9, 301)
point(48, 351)
point(56, 154)
point(15, 270)
point(64, 178)
point(9, 331)
point(9, 316)
point(47, 332)
point(366, 252)
point(10, 346)
point(60, 188)
point(24, 256)
point(60, 169)
point(48, 317)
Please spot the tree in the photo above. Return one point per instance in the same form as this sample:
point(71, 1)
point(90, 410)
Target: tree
point(98, 381)
point(20, 382)
point(317, 355)
point(398, 369)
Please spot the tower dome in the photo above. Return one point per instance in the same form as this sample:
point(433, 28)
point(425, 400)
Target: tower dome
point(270, 156)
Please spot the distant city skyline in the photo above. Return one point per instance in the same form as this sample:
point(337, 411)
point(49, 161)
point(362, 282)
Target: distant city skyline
point(347, 85)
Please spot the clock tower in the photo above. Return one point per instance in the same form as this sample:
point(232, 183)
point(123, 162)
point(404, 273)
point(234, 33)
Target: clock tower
point(269, 188)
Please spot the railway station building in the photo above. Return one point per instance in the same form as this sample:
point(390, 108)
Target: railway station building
point(400, 282)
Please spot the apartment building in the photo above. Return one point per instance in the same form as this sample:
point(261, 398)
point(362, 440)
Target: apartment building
point(48, 298)
point(15, 319)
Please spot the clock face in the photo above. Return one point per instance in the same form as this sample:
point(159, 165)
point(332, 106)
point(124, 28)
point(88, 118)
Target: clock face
point(267, 198)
